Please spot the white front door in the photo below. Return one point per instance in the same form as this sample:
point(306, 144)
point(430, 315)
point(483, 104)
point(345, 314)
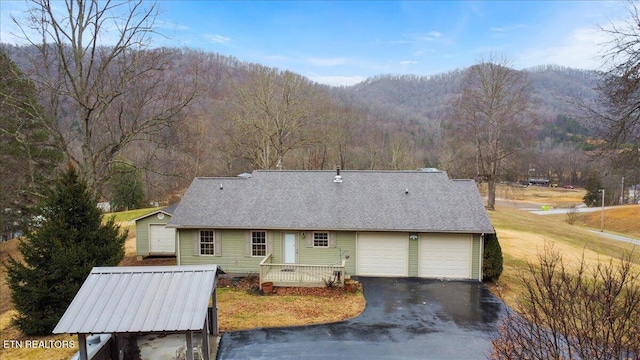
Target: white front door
point(289, 248)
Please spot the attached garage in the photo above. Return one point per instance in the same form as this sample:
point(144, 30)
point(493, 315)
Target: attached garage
point(382, 254)
point(445, 256)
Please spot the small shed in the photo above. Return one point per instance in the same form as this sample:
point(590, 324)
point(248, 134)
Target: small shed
point(144, 299)
point(153, 237)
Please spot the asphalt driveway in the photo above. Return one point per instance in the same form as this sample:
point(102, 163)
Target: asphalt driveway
point(404, 319)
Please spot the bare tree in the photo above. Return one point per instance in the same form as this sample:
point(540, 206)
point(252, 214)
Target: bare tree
point(273, 111)
point(492, 113)
point(101, 80)
point(587, 313)
point(617, 118)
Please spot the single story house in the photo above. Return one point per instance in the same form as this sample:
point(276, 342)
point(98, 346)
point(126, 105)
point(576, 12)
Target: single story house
point(153, 237)
point(308, 228)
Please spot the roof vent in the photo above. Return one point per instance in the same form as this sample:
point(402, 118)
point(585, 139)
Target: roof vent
point(406, 191)
point(220, 186)
point(338, 178)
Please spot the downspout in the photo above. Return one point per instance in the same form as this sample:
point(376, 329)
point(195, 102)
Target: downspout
point(481, 256)
point(177, 243)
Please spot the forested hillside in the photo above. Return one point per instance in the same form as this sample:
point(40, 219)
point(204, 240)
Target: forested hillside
point(245, 116)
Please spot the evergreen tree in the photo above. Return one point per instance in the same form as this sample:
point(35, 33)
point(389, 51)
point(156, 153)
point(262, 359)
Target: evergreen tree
point(593, 186)
point(28, 156)
point(58, 254)
point(491, 258)
point(127, 188)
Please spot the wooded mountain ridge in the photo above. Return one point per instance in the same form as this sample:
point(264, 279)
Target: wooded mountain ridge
point(384, 122)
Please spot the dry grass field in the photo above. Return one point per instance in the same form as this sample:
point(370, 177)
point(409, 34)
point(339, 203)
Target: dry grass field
point(522, 235)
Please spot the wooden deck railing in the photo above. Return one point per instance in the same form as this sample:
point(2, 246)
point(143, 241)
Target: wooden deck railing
point(301, 274)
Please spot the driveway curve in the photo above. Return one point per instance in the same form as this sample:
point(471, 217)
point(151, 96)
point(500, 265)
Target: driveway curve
point(407, 318)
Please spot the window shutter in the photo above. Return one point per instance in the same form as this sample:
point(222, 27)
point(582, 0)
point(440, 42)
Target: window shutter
point(309, 239)
point(332, 239)
point(217, 243)
point(269, 244)
point(196, 243)
point(247, 243)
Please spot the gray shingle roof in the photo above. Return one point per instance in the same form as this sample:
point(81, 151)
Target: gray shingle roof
point(140, 299)
point(311, 200)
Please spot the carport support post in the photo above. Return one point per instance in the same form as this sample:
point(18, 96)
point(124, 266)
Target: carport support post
point(205, 340)
point(189, 345)
point(213, 314)
point(82, 342)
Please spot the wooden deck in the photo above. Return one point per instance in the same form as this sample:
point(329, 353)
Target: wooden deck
point(301, 275)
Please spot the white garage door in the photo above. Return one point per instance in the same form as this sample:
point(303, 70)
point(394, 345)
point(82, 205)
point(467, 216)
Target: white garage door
point(445, 256)
point(382, 254)
point(162, 240)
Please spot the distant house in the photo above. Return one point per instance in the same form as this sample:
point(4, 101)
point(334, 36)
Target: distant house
point(153, 237)
point(304, 227)
point(634, 194)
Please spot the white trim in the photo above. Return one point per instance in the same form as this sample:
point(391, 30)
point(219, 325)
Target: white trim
point(199, 234)
point(266, 242)
point(313, 239)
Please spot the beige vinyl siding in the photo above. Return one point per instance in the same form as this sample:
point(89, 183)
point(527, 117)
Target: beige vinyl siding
point(476, 257)
point(413, 257)
point(142, 232)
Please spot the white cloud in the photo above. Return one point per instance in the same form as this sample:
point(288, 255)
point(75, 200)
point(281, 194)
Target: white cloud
point(216, 38)
point(505, 29)
point(327, 61)
point(338, 80)
point(408, 62)
point(430, 36)
point(581, 49)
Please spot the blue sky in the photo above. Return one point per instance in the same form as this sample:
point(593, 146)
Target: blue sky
point(344, 42)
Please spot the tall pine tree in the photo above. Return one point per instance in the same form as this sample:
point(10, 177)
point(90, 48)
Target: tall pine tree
point(58, 254)
point(28, 155)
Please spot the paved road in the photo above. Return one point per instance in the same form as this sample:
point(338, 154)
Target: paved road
point(586, 209)
point(406, 318)
point(617, 237)
point(564, 211)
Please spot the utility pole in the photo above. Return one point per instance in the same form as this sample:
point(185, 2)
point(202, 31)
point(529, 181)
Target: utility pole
point(622, 197)
point(602, 212)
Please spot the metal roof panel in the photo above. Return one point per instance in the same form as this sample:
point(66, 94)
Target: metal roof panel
point(141, 299)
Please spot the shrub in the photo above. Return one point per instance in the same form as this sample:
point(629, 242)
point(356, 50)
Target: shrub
point(491, 258)
point(588, 313)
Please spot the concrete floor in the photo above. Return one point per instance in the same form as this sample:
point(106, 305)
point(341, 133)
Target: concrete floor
point(157, 346)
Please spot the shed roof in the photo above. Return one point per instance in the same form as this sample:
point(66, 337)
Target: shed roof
point(141, 299)
point(310, 200)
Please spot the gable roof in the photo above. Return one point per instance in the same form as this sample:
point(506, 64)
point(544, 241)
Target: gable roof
point(140, 299)
point(413, 201)
point(166, 210)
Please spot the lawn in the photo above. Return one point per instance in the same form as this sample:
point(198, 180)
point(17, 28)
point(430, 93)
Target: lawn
point(242, 307)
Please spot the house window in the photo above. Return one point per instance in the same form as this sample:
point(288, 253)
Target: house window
point(320, 239)
point(258, 243)
point(207, 242)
